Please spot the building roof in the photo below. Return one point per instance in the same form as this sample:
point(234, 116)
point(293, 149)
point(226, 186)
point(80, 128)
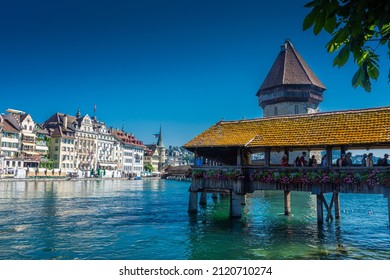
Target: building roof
point(55, 125)
point(9, 127)
point(354, 127)
point(289, 68)
point(13, 120)
point(150, 149)
point(40, 129)
point(127, 139)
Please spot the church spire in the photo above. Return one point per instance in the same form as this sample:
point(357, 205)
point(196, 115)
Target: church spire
point(160, 141)
point(78, 114)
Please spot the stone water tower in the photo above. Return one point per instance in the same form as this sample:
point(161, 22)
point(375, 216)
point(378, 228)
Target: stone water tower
point(290, 88)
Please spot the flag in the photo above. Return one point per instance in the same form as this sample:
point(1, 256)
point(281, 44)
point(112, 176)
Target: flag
point(156, 135)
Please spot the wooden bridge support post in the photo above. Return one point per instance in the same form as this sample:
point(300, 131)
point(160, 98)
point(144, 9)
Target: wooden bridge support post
point(336, 201)
point(388, 208)
point(203, 198)
point(320, 209)
point(235, 205)
point(193, 203)
point(386, 194)
point(243, 199)
point(287, 203)
point(267, 157)
point(328, 156)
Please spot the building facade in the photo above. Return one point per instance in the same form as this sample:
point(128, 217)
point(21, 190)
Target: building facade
point(42, 143)
point(155, 154)
point(131, 153)
point(107, 147)
point(86, 143)
point(9, 147)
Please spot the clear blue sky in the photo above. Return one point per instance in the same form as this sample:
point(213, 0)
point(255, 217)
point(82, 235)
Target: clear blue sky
point(184, 64)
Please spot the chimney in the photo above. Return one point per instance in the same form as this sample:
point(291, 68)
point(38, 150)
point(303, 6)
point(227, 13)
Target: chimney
point(65, 119)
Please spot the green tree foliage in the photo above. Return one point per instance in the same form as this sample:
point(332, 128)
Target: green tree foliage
point(148, 168)
point(358, 27)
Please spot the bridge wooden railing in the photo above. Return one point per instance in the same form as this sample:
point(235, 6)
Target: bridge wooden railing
point(244, 179)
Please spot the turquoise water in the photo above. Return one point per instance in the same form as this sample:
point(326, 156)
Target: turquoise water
point(148, 220)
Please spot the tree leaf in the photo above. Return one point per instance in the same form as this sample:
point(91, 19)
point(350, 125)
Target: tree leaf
point(342, 56)
point(309, 20)
point(330, 24)
point(357, 78)
point(311, 4)
point(319, 24)
point(373, 73)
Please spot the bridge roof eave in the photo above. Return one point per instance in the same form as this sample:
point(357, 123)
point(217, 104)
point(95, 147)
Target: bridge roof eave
point(249, 146)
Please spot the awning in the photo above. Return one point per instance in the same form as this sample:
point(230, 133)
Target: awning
point(29, 134)
point(30, 153)
point(43, 148)
point(107, 164)
point(28, 144)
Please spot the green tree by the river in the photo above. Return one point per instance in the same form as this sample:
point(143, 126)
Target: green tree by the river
point(148, 167)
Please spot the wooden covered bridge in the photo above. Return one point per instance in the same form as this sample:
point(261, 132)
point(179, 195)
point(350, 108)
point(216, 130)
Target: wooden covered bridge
point(227, 148)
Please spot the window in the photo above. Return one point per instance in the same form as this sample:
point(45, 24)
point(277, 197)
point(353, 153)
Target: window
point(296, 109)
point(275, 110)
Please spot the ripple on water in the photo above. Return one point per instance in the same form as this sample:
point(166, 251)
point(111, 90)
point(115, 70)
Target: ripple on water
point(149, 220)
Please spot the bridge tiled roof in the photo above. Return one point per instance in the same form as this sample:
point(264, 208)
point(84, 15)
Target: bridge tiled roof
point(354, 127)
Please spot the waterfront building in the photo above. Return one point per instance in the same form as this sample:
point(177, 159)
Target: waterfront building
point(42, 142)
point(24, 123)
point(152, 157)
point(107, 146)
point(155, 154)
point(9, 147)
point(131, 153)
point(86, 143)
point(62, 149)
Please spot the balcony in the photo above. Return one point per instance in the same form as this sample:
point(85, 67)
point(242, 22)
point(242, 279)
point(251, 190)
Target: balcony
point(9, 139)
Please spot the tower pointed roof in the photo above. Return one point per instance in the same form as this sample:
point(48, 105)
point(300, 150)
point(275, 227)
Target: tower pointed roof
point(160, 141)
point(289, 68)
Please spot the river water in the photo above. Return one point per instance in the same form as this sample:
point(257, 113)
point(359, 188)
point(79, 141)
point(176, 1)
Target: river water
point(148, 220)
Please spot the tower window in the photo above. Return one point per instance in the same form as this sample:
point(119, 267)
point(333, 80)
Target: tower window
point(296, 109)
point(275, 110)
